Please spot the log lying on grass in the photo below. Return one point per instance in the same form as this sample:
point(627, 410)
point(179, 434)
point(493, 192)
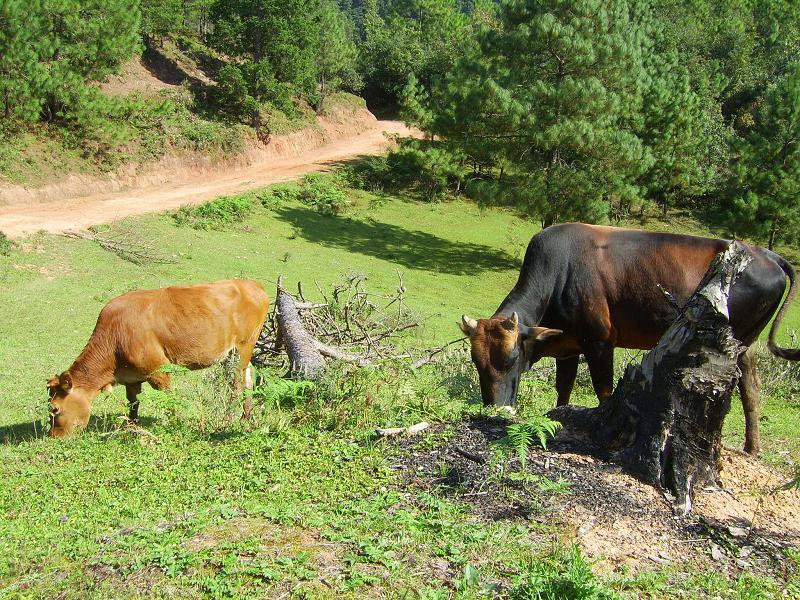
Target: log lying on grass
point(349, 326)
point(305, 359)
point(664, 420)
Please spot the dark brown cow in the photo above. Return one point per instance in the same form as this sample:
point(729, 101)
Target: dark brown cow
point(586, 289)
point(139, 332)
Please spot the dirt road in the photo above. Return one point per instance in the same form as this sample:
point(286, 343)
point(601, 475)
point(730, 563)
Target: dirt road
point(54, 217)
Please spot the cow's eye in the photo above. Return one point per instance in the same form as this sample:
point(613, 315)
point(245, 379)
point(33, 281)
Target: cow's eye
point(512, 359)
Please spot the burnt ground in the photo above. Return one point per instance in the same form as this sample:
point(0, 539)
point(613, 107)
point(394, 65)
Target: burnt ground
point(747, 524)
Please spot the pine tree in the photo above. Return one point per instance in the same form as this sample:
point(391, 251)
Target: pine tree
point(674, 131)
point(556, 92)
point(23, 74)
point(162, 18)
point(335, 52)
point(278, 36)
point(764, 187)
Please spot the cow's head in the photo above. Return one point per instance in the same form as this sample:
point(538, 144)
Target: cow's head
point(502, 351)
point(70, 406)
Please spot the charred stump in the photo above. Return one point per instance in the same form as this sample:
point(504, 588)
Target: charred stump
point(664, 420)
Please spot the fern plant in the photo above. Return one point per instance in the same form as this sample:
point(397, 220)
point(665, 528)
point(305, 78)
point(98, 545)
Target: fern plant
point(279, 392)
point(520, 437)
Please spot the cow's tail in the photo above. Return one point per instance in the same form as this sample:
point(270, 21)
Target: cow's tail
point(787, 353)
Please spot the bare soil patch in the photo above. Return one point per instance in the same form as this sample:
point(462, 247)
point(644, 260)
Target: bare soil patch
point(78, 201)
point(744, 525)
point(134, 76)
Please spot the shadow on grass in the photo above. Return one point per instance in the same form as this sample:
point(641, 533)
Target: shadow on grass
point(408, 247)
point(18, 433)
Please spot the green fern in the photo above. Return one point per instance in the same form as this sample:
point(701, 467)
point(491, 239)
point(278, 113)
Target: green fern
point(520, 437)
point(277, 391)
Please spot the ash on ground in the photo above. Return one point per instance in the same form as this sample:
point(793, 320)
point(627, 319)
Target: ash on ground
point(746, 524)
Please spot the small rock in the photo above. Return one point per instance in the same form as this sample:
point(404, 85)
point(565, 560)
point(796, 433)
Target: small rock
point(63, 518)
point(665, 556)
point(742, 564)
point(737, 531)
point(586, 527)
point(716, 552)
point(745, 551)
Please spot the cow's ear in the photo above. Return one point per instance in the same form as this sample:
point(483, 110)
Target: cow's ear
point(53, 382)
point(467, 325)
point(65, 381)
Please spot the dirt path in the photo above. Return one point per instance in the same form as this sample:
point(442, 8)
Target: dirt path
point(54, 217)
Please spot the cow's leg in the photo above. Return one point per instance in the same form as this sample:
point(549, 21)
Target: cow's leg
point(132, 391)
point(245, 378)
point(600, 359)
point(749, 389)
point(566, 371)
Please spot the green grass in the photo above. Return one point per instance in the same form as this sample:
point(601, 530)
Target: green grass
point(304, 501)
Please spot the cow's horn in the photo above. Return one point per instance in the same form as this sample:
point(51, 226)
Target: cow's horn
point(470, 324)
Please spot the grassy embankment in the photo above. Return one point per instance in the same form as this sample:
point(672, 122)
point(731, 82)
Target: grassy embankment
point(161, 103)
point(304, 501)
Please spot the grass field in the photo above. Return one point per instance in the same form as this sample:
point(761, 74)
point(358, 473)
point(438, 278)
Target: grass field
point(303, 502)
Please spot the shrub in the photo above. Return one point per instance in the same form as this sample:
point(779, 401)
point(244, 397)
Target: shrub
point(5, 245)
point(418, 166)
point(323, 194)
point(216, 214)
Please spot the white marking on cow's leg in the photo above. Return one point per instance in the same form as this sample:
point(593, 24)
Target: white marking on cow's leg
point(248, 378)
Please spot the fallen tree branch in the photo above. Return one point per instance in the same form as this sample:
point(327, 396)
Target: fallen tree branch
point(337, 354)
point(411, 430)
point(469, 455)
point(432, 353)
point(124, 245)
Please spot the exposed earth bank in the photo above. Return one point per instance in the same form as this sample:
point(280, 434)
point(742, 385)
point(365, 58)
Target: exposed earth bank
point(79, 201)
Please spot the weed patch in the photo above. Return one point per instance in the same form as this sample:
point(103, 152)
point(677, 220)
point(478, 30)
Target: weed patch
point(216, 214)
point(5, 245)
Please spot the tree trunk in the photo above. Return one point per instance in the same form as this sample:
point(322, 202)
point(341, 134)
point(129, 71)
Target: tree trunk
point(773, 232)
point(304, 358)
point(664, 420)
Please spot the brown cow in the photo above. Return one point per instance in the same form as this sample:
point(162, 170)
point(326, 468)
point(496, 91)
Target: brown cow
point(586, 289)
point(139, 332)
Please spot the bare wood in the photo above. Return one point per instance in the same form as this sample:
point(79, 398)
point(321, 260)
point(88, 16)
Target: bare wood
point(411, 430)
point(133, 250)
point(305, 359)
point(469, 455)
point(338, 354)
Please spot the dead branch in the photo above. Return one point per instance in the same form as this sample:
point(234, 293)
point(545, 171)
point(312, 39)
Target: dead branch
point(469, 455)
point(332, 352)
point(411, 430)
point(432, 353)
point(125, 245)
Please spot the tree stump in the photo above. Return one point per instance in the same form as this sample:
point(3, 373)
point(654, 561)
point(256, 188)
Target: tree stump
point(664, 420)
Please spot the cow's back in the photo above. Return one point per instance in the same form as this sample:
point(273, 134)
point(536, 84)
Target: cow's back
point(192, 325)
point(603, 282)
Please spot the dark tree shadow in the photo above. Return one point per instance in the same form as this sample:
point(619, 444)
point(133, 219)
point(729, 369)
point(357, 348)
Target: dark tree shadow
point(411, 248)
point(17, 433)
point(165, 69)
